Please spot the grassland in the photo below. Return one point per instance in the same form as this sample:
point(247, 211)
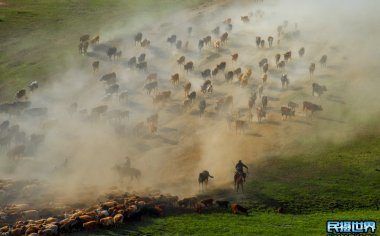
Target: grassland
point(38, 38)
point(325, 182)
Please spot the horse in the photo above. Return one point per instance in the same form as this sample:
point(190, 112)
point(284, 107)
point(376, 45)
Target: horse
point(125, 171)
point(203, 178)
point(239, 181)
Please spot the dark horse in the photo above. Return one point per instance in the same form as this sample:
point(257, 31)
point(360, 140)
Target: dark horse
point(239, 181)
point(125, 171)
point(203, 178)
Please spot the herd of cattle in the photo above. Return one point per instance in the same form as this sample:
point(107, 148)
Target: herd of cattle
point(116, 210)
point(16, 143)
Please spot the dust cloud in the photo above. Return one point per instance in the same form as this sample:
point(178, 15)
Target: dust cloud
point(77, 156)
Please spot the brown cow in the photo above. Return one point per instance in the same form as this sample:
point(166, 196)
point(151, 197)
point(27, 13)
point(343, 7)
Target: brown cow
point(95, 40)
point(301, 52)
point(236, 208)
point(286, 112)
point(181, 60)
point(235, 57)
point(175, 79)
point(245, 19)
point(187, 88)
point(189, 66)
point(288, 56)
point(308, 106)
point(208, 202)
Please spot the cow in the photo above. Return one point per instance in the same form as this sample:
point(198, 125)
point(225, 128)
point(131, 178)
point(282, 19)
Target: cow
point(216, 31)
point(235, 56)
point(181, 60)
point(270, 41)
point(308, 106)
point(149, 87)
point(95, 66)
point(187, 88)
point(189, 30)
point(20, 94)
point(95, 40)
point(208, 202)
point(203, 178)
point(207, 40)
point(229, 76)
point(237, 71)
point(206, 73)
point(240, 125)
point(288, 56)
point(319, 89)
point(205, 86)
point(262, 43)
point(263, 62)
point(215, 71)
point(277, 58)
point(236, 208)
point(221, 66)
point(111, 52)
point(132, 62)
point(175, 79)
point(224, 38)
point(141, 58)
point(33, 85)
point(189, 66)
point(311, 69)
point(292, 105)
point(145, 43)
point(284, 81)
point(142, 66)
point(260, 114)
point(201, 44)
point(172, 39)
point(281, 65)
point(323, 60)
point(258, 41)
point(245, 19)
point(202, 107)
point(84, 38)
point(138, 38)
point(192, 96)
point(286, 112)
point(301, 52)
point(109, 78)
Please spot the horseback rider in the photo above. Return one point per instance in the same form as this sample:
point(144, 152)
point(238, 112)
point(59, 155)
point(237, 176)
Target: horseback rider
point(127, 164)
point(240, 169)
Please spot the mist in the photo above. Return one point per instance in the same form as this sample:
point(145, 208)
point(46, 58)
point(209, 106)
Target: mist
point(77, 157)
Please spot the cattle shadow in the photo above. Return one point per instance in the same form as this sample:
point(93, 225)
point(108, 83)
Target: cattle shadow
point(303, 122)
point(330, 119)
point(98, 56)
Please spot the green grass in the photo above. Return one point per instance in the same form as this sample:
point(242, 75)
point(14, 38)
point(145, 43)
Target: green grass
point(39, 39)
point(257, 223)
